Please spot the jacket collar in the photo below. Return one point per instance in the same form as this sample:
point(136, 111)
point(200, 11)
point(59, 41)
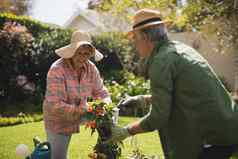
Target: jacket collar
point(146, 62)
point(158, 45)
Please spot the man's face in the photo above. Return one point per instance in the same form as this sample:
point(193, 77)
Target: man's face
point(141, 44)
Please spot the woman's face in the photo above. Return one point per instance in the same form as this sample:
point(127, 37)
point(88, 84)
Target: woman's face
point(81, 56)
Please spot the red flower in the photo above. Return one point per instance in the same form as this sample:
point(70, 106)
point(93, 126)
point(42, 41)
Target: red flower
point(100, 111)
point(90, 108)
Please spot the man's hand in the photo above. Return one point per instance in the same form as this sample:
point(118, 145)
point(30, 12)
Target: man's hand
point(118, 134)
point(130, 101)
point(136, 101)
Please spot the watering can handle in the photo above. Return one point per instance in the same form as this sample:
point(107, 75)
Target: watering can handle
point(44, 144)
point(42, 151)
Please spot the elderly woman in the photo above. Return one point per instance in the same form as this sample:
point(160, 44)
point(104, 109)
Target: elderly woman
point(71, 80)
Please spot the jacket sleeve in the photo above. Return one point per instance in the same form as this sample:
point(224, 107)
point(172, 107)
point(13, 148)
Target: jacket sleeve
point(160, 73)
point(99, 90)
point(56, 96)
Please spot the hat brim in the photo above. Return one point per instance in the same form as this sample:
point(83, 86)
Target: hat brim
point(130, 34)
point(68, 51)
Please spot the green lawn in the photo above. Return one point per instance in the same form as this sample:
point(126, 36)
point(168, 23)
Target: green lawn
point(80, 146)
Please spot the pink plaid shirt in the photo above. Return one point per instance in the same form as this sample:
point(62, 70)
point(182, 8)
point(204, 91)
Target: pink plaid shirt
point(66, 97)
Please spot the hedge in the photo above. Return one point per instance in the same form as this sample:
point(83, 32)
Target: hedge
point(31, 58)
point(119, 52)
point(20, 119)
point(35, 27)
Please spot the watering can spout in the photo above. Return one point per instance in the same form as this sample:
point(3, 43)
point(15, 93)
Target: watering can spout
point(42, 149)
point(36, 141)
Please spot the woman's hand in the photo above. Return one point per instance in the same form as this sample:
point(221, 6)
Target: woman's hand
point(107, 100)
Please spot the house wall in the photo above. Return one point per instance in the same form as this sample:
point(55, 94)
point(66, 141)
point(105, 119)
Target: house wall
point(95, 22)
point(222, 63)
point(82, 24)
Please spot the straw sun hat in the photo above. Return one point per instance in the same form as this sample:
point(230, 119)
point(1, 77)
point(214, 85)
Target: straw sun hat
point(145, 18)
point(78, 39)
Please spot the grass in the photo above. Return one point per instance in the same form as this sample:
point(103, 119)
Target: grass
point(81, 144)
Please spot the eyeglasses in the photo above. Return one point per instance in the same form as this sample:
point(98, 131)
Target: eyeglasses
point(85, 51)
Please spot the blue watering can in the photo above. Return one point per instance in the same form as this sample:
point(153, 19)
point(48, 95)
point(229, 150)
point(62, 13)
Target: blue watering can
point(42, 150)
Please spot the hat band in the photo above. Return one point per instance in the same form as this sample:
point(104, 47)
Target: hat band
point(146, 21)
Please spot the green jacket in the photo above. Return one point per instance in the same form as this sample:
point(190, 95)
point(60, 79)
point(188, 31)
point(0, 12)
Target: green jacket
point(189, 100)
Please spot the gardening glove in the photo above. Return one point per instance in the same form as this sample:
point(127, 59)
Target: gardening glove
point(118, 134)
point(130, 101)
point(135, 101)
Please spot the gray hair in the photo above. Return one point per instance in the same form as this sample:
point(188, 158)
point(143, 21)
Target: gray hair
point(156, 33)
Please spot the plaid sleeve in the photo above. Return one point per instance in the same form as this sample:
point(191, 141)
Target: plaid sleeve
point(56, 95)
point(99, 90)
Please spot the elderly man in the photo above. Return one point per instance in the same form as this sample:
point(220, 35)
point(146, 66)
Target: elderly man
point(190, 105)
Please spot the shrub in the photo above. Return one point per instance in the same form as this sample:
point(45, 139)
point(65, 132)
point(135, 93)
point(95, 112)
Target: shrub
point(44, 55)
point(118, 51)
point(15, 52)
point(36, 28)
point(128, 85)
point(20, 119)
point(27, 52)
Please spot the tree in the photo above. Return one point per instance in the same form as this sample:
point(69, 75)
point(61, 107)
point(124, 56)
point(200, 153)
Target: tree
point(219, 17)
point(215, 16)
point(128, 7)
point(18, 7)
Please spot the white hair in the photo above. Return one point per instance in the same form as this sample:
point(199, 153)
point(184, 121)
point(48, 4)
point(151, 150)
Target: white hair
point(156, 33)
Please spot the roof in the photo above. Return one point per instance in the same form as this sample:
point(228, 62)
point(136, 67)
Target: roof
point(101, 21)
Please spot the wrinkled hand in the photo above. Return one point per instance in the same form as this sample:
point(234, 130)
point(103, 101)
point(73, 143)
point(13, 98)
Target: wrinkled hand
point(118, 134)
point(72, 117)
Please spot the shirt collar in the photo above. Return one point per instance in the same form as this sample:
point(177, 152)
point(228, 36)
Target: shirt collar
point(69, 65)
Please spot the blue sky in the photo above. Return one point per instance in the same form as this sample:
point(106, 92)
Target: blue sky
point(55, 11)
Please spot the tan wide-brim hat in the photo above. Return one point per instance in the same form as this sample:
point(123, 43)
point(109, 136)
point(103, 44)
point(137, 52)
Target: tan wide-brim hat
point(78, 39)
point(146, 18)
